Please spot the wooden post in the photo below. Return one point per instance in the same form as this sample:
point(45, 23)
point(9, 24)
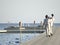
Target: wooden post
point(34, 25)
point(34, 21)
point(20, 24)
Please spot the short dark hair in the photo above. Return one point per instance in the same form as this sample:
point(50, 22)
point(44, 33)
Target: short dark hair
point(46, 16)
point(52, 15)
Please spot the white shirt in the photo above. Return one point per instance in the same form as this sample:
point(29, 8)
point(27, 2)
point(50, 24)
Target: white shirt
point(52, 21)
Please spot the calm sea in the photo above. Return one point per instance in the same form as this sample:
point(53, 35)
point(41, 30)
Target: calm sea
point(5, 25)
point(16, 38)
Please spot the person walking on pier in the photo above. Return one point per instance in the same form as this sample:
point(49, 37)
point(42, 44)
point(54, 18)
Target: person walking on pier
point(51, 23)
point(46, 24)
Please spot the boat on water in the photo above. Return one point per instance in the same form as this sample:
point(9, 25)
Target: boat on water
point(13, 28)
point(22, 28)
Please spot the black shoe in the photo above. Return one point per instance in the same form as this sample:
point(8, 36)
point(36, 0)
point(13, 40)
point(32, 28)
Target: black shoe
point(51, 34)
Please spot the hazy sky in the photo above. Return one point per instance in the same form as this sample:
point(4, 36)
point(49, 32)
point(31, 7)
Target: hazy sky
point(28, 10)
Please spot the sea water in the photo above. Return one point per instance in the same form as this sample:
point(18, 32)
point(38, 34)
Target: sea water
point(9, 39)
point(15, 38)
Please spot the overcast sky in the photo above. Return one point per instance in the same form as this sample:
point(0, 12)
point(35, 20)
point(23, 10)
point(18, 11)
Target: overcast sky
point(28, 10)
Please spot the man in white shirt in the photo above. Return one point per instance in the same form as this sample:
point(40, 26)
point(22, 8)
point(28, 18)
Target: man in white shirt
point(51, 24)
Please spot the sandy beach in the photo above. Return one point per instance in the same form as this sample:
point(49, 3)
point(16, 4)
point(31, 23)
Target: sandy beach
point(43, 40)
